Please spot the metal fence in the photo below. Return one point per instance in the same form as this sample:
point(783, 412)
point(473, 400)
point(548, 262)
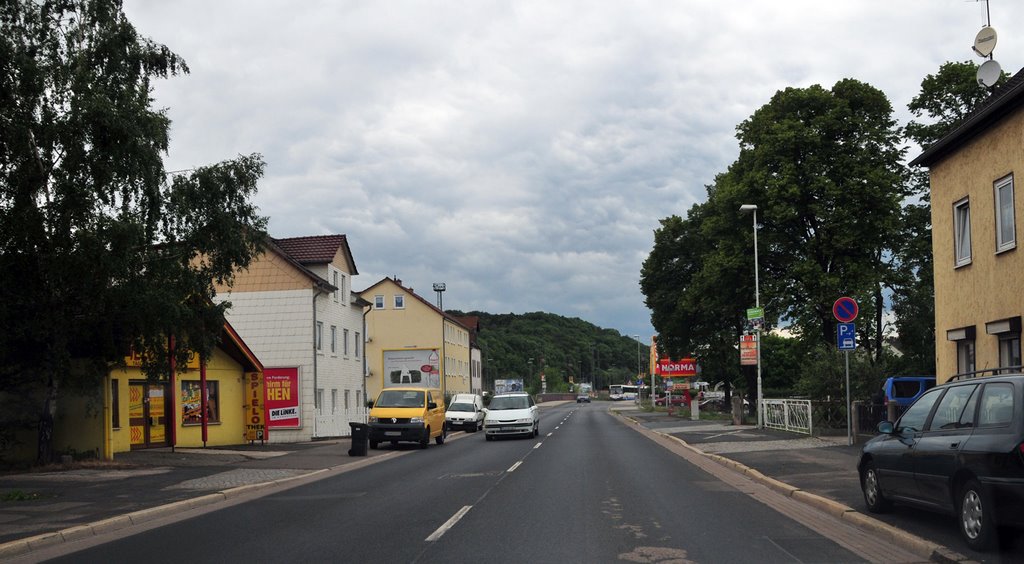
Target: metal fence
point(788, 415)
point(337, 424)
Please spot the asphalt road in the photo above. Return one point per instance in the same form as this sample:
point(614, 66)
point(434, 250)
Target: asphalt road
point(589, 489)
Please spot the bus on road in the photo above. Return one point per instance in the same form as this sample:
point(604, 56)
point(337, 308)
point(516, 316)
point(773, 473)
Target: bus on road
point(619, 392)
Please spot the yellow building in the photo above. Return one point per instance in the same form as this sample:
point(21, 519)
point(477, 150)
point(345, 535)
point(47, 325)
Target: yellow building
point(978, 282)
point(131, 412)
point(410, 341)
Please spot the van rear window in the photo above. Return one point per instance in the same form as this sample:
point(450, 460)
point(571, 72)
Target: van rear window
point(905, 389)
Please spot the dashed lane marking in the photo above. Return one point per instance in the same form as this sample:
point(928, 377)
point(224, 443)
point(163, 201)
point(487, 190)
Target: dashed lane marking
point(449, 523)
point(514, 466)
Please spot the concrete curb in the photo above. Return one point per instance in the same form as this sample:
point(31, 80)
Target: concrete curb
point(926, 549)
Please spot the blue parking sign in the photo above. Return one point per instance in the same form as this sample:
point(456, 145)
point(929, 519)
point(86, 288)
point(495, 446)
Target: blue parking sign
point(846, 337)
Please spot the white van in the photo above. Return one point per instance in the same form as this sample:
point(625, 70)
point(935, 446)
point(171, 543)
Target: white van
point(465, 411)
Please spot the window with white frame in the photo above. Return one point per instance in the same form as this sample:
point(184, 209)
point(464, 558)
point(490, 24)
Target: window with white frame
point(378, 302)
point(334, 401)
point(334, 281)
point(318, 335)
point(334, 339)
point(318, 400)
point(962, 232)
point(346, 400)
point(399, 301)
point(359, 344)
point(1006, 232)
point(344, 344)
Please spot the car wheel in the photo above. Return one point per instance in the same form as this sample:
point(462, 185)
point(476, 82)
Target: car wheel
point(373, 445)
point(440, 438)
point(425, 441)
point(975, 512)
point(536, 430)
point(872, 488)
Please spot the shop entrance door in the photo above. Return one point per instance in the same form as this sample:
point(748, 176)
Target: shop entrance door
point(147, 414)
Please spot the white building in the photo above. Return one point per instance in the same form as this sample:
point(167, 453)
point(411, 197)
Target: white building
point(295, 308)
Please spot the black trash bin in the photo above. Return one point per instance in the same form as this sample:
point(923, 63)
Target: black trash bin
point(360, 438)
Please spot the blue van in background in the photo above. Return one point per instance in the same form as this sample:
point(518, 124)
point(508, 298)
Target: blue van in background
point(905, 389)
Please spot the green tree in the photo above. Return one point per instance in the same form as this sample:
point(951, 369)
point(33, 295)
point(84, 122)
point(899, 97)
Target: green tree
point(824, 166)
point(99, 253)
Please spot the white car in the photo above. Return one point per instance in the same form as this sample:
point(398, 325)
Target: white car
point(512, 414)
point(466, 411)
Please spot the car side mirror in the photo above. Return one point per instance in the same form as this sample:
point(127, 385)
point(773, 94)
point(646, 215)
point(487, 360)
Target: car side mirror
point(484, 410)
point(432, 405)
point(885, 427)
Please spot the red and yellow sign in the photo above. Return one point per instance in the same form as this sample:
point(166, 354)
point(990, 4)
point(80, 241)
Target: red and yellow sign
point(134, 360)
point(255, 414)
point(282, 398)
point(748, 349)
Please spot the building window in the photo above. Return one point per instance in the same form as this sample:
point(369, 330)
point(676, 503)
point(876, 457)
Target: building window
point(965, 356)
point(191, 402)
point(115, 406)
point(334, 339)
point(344, 343)
point(346, 400)
point(1009, 350)
point(399, 301)
point(334, 401)
point(318, 336)
point(962, 231)
point(359, 344)
point(341, 286)
point(318, 400)
point(378, 302)
point(1006, 233)
point(337, 289)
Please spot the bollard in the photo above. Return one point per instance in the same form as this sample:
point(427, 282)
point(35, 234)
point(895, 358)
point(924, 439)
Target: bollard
point(737, 410)
point(694, 409)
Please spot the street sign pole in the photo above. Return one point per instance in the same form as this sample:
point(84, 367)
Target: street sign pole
point(849, 425)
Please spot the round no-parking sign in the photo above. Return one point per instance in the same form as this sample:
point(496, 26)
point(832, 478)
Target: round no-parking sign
point(845, 309)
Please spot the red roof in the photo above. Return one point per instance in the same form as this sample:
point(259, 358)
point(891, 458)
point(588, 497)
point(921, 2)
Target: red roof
point(317, 249)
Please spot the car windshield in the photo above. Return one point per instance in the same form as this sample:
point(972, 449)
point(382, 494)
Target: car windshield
point(509, 402)
point(400, 398)
point(460, 407)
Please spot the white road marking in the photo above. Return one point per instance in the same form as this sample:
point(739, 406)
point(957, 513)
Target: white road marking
point(551, 433)
point(449, 523)
point(536, 446)
point(514, 466)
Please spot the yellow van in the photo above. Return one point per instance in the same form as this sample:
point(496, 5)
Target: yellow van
point(408, 414)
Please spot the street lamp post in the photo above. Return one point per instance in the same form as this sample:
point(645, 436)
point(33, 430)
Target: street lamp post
point(639, 374)
point(757, 304)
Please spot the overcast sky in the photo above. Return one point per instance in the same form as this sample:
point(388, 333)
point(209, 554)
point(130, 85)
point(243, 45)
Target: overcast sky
point(520, 152)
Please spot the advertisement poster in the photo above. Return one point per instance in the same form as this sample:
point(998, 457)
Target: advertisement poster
point(255, 416)
point(506, 386)
point(281, 386)
point(408, 367)
point(748, 349)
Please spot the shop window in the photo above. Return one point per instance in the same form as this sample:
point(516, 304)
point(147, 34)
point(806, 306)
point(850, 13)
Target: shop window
point(191, 402)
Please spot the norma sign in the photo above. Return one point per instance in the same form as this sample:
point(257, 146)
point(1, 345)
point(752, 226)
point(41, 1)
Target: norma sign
point(845, 309)
point(677, 368)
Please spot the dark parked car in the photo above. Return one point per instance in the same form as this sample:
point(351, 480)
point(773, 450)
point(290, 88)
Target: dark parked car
point(958, 449)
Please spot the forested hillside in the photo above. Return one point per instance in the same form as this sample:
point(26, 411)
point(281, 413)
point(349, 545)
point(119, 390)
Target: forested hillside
point(524, 346)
